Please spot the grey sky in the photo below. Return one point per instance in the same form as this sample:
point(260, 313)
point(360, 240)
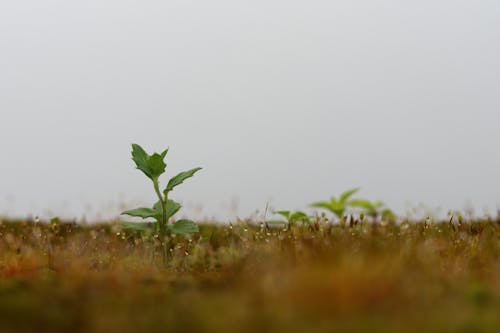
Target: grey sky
point(288, 101)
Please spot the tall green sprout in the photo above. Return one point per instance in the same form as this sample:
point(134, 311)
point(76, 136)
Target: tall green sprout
point(153, 166)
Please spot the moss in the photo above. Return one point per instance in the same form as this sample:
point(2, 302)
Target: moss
point(249, 278)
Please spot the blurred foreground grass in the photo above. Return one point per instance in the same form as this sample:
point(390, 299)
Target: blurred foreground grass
point(417, 277)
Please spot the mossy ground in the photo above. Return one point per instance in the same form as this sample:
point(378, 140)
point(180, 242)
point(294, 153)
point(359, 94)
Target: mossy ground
point(410, 277)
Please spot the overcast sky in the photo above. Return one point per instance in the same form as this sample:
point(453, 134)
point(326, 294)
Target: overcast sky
point(284, 102)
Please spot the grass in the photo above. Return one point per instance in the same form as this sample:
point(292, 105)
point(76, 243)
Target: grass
point(247, 277)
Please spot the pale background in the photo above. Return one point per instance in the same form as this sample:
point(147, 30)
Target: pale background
point(284, 102)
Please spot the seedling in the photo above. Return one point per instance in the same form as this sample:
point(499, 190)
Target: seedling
point(291, 217)
point(373, 208)
point(337, 206)
point(153, 166)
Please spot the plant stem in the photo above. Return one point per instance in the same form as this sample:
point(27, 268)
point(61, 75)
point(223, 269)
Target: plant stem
point(163, 224)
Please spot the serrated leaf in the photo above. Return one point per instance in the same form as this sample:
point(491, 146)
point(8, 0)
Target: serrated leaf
point(156, 165)
point(183, 227)
point(139, 155)
point(179, 179)
point(347, 194)
point(141, 212)
point(152, 166)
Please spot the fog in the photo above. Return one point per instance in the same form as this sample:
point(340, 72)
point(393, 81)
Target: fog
point(281, 103)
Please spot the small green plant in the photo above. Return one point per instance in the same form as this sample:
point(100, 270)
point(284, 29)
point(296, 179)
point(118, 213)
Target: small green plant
point(291, 217)
point(373, 209)
point(153, 166)
point(337, 206)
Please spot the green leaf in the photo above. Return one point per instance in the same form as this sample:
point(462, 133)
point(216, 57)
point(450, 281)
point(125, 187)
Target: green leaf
point(157, 207)
point(156, 166)
point(141, 212)
point(179, 179)
point(366, 204)
point(284, 213)
point(334, 207)
point(299, 216)
point(362, 203)
point(152, 166)
point(136, 226)
point(337, 206)
point(140, 157)
point(172, 208)
point(322, 204)
point(339, 212)
point(183, 227)
point(347, 194)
